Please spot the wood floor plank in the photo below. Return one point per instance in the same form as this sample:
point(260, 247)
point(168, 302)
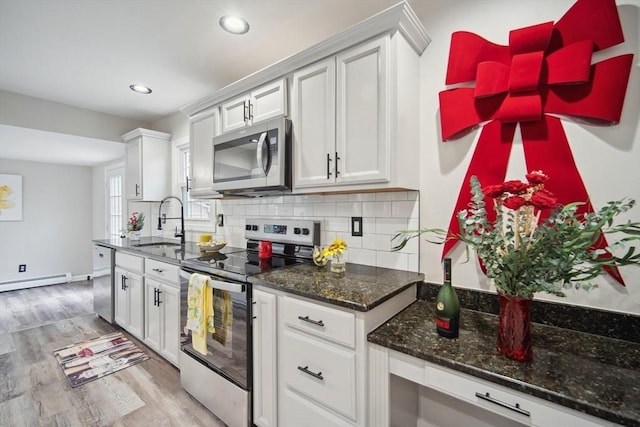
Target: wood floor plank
point(35, 392)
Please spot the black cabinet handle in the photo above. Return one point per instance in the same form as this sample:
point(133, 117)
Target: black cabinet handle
point(155, 297)
point(158, 270)
point(245, 113)
point(337, 158)
point(315, 322)
point(515, 407)
point(328, 165)
point(137, 189)
point(313, 374)
point(124, 283)
point(187, 179)
point(250, 111)
point(159, 292)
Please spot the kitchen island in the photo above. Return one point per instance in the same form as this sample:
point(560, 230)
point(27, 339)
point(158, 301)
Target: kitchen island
point(588, 373)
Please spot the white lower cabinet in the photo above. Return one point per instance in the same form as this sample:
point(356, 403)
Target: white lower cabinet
point(129, 312)
point(310, 359)
point(162, 309)
point(422, 394)
point(265, 381)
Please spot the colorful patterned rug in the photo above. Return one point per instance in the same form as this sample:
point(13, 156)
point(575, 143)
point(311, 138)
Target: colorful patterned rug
point(89, 360)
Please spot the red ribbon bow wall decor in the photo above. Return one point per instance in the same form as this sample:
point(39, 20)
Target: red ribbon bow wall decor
point(546, 69)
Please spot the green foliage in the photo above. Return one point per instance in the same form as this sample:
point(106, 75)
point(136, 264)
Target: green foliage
point(525, 256)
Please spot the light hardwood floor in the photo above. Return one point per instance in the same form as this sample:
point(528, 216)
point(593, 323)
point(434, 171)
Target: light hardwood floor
point(34, 392)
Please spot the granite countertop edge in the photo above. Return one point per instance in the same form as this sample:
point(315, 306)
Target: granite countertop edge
point(189, 248)
point(360, 288)
point(622, 417)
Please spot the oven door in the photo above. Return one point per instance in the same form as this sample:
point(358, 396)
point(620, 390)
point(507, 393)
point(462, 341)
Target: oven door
point(229, 347)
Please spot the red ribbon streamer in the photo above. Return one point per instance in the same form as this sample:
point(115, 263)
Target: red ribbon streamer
point(545, 69)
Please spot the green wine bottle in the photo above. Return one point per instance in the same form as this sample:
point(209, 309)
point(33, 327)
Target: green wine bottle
point(447, 306)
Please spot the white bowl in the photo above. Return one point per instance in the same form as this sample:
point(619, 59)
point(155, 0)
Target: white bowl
point(212, 246)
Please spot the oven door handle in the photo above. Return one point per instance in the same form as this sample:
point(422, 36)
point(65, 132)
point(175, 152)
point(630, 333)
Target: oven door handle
point(219, 284)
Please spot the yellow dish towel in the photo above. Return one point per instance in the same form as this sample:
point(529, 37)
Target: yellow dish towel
point(200, 311)
point(223, 307)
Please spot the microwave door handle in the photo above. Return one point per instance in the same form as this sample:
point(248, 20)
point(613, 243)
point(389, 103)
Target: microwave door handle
point(265, 168)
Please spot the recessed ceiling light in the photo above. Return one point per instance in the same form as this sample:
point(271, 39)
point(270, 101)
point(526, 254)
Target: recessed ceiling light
point(234, 24)
point(140, 89)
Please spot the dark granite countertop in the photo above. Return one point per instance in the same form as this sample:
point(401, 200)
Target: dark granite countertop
point(593, 374)
point(361, 288)
point(170, 254)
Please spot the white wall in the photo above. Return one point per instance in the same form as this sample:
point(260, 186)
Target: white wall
point(607, 157)
point(55, 233)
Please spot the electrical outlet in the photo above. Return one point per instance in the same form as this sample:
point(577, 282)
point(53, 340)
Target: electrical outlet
point(356, 226)
point(22, 268)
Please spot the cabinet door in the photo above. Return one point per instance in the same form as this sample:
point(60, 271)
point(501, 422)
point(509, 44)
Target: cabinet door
point(122, 300)
point(133, 170)
point(265, 386)
point(362, 128)
point(202, 131)
point(235, 113)
point(268, 101)
point(151, 314)
point(313, 116)
point(169, 304)
point(136, 304)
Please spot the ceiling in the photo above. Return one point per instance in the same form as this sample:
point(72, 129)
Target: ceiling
point(87, 53)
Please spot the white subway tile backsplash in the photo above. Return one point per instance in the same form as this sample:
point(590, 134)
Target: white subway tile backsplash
point(362, 197)
point(324, 209)
point(349, 208)
point(404, 209)
point(396, 195)
point(376, 209)
point(383, 215)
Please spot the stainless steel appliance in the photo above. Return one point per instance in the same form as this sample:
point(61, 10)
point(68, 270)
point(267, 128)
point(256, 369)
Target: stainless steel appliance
point(222, 379)
point(103, 282)
point(254, 161)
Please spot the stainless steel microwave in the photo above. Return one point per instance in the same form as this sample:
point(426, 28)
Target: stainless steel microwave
point(255, 160)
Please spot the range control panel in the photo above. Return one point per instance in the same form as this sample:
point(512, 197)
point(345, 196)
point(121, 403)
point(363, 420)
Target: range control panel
point(301, 232)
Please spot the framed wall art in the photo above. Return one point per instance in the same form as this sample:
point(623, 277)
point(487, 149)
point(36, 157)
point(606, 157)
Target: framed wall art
point(10, 197)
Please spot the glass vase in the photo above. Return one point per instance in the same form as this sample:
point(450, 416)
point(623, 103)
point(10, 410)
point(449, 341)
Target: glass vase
point(338, 266)
point(514, 327)
point(135, 235)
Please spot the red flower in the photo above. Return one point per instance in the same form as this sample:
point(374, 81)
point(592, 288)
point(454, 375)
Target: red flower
point(543, 200)
point(537, 177)
point(493, 191)
point(514, 202)
point(515, 187)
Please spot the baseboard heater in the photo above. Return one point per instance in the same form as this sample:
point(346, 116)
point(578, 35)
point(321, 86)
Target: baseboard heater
point(33, 282)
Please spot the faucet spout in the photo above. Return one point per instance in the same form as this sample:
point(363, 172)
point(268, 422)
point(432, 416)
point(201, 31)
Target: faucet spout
point(180, 234)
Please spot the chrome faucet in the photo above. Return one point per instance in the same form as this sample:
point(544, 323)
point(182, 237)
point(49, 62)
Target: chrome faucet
point(163, 218)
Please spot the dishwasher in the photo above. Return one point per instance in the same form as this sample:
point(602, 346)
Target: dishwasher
point(103, 282)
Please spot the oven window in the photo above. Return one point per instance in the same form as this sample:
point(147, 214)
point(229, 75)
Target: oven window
point(228, 348)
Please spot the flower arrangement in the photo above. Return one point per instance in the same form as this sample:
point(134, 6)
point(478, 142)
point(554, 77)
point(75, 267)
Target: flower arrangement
point(136, 221)
point(334, 251)
point(525, 254)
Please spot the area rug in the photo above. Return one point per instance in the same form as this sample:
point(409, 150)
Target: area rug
point(89, 360)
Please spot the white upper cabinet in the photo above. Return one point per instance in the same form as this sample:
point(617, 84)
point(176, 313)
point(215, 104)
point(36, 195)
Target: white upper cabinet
point(261, 104)
point(202, 129)
point(148, 165)
point(313, 102)
point(355, 119)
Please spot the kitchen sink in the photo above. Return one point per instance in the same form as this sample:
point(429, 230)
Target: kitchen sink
point(156, 244)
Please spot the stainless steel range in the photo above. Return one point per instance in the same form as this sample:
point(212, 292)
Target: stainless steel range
point(221, 379)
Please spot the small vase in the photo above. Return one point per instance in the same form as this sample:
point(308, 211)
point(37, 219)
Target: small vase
point(338, 266)
point(134, 235)
point(514, 327)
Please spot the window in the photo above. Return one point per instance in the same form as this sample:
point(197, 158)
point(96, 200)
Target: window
point(114, 202)
point(194, 209)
